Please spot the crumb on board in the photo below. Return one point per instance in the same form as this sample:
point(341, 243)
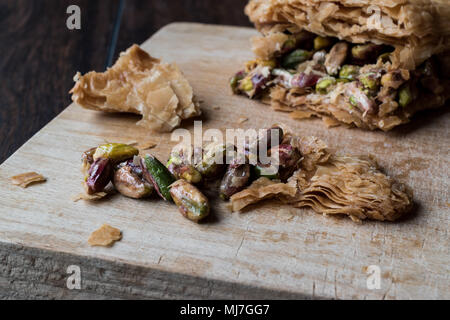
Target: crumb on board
point(147, 145)
point(106, 236)
point(26, 179)
point(89, 197)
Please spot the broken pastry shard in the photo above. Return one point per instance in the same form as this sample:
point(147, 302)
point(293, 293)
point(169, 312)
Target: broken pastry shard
point(89, 197)
point(261, 189)
point(331, 184)
point(26, 179)
point(369, 64)
point(106, 236)
point(138, 83)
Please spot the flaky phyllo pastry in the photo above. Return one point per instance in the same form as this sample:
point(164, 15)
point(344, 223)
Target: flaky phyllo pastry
point(370, 64)
point(332, 184)
point(138, 83)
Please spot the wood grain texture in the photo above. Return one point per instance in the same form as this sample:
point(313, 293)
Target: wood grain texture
point(27, 273)
point(272, 247)
point(38, 53)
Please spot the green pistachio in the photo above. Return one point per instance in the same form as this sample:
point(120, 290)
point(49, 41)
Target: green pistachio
point(349, 72)
point(116, 152)
point(321, 43)
point(370, 81)
point(404, 96)
point(213, 161)
point(353, 101)
point(293, 59)
point(247, 84)
point(157, 174)
point(234, 81)
point(128, 183)
point(190, 201)
point(324, 84)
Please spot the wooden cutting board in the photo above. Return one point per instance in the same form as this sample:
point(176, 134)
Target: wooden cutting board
point(271, 251)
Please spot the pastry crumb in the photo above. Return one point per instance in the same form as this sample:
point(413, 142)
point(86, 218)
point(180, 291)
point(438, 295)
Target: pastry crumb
point(88, 197)
point(147, 145)
point(106, 236)
point(26, 179)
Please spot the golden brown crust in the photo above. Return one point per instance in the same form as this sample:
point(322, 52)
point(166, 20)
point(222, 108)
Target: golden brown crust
point(418, 29)
point(138, 83)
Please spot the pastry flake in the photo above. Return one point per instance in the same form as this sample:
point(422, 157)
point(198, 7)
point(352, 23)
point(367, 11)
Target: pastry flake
point(89, 197)
point(26, 179)
point(140, 84)
point(261, 189)
point(106, 236)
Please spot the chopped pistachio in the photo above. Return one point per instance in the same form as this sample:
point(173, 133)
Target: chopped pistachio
point(268, 63)
point(264, 171)
point(324, 84)
point(293, 59)
point(247, 84)
point(234, 81)
point(369, 81)
point(236, 178)
point(99, 176)
point(190, 201)
point(190, 174)
point(353, 101)
point(116, 152)
point(128, 183)
point(349, 72)
point(157, 174)
point(213, 161)
point(321, 43)
point(404, 96)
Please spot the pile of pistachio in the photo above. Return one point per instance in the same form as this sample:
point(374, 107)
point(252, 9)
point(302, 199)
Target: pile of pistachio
point(180, 180)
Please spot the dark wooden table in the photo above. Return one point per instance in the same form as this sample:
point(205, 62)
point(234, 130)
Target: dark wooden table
point(40, 55)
